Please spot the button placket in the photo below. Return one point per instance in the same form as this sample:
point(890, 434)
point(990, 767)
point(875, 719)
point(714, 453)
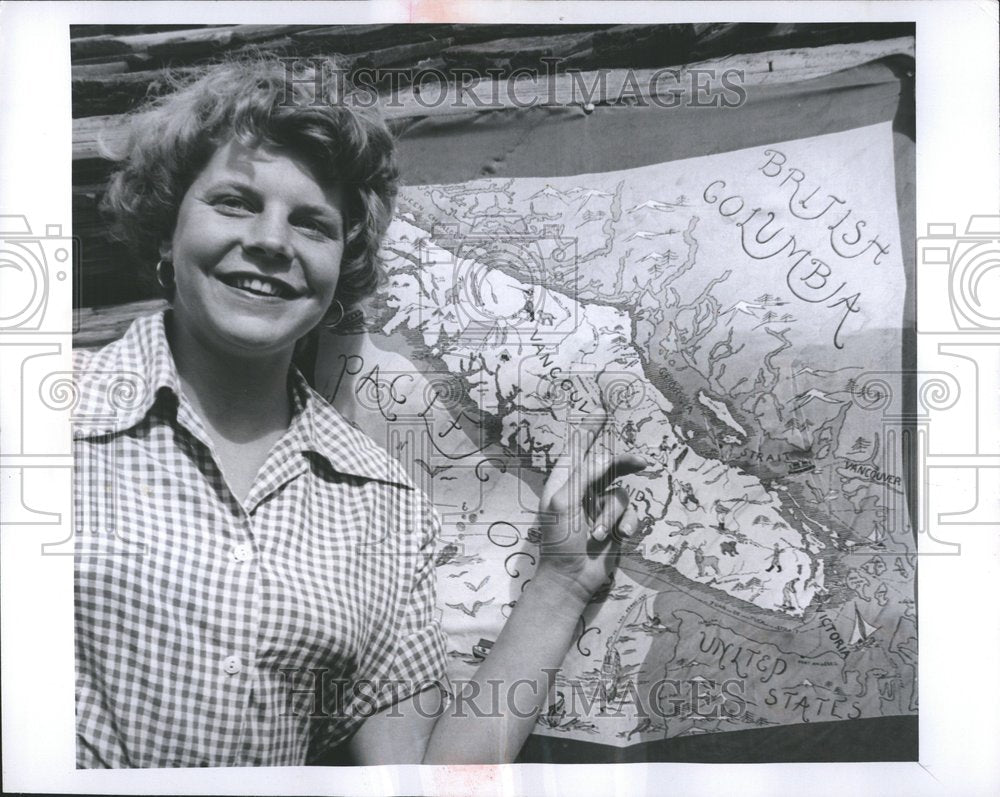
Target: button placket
point(244, 555)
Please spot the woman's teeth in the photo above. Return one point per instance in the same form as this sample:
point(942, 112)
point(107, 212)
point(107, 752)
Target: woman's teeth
point(262, 287)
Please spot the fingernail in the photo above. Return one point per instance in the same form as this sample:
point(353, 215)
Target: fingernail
point(600, 532)
point(626, 529)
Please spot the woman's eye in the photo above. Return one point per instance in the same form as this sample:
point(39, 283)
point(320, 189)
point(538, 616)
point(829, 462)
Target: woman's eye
point(315, 227)
point(230, 202)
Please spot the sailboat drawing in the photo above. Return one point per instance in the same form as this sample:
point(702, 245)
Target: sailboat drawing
point(863, 630)
point(877, 537)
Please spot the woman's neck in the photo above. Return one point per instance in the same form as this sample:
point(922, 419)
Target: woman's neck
point(242, 399)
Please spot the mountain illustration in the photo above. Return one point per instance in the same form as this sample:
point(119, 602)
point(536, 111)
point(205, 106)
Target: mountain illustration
point(744, 307)
point(804, 398)
point(653, 204)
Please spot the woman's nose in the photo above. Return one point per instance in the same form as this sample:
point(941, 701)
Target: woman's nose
point(269, 235)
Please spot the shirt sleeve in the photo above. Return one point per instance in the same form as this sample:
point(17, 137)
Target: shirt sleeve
point(417, 660)
point(420, 656)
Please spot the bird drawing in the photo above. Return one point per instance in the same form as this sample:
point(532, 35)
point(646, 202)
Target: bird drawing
point(434, 470)
point(470, 611)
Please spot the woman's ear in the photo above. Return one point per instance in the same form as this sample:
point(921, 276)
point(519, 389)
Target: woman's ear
point(166, 251)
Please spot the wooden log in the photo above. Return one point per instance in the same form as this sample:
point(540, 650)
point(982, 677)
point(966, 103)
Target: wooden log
point(107, 94)
point(140, 62)
point(467, 34)
point(121, 31)
point(359, 38)
point(642, 45)
point(402, 55)
point(81, 48)
point(101, 69)
point(351, 39)
point(182, 49)
point(240, 37)
point(775, 66)
point(718, 39)
point(180, 46)
point(145, 52)
point(99, 326)
point(97, 47)
point(247, 34)
point(115, 94)
point(507, 54)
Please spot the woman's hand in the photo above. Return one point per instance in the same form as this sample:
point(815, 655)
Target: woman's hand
point(583, 521)
point(583, 518)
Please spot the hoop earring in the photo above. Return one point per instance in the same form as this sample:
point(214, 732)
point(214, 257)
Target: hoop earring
point(164, 284)
point(334, 324)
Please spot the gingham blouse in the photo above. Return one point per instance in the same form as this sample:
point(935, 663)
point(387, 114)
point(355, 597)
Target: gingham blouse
point(210, 633)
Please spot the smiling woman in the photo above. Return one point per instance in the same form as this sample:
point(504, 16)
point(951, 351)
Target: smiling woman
point(258, 541)
point(256, 250)
point(259, 104)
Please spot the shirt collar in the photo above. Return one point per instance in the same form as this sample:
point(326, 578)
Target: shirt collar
point(119, 385)
point(319, 428)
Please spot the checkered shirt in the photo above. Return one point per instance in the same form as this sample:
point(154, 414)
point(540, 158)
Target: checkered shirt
point(210, 633)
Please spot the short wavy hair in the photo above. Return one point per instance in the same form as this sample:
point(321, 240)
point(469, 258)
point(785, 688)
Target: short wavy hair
point(304, 107)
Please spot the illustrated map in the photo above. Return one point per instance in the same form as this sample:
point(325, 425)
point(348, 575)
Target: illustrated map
point(735, 319)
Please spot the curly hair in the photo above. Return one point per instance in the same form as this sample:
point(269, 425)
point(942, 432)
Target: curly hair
point(309, 110)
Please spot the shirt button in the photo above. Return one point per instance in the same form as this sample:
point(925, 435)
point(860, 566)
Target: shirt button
point(232, 664)
point(242, 553)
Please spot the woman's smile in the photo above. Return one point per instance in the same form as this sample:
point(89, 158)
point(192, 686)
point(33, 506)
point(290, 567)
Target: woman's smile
point(256, 251)
point(259, 285)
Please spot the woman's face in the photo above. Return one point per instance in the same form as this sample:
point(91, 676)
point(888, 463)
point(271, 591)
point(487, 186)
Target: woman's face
point(256, 251)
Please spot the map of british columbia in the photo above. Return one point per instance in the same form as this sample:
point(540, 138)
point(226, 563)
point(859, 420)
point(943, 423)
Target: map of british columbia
point(736, 320)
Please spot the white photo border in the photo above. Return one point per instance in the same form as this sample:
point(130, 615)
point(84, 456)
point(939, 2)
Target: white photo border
point(957, 148)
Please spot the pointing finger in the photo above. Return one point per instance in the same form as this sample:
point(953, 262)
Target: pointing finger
point(615, 505)
point(580, 439)
point(627, 523)
point(604, 469)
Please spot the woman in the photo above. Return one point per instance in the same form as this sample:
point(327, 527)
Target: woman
point(250, 568)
